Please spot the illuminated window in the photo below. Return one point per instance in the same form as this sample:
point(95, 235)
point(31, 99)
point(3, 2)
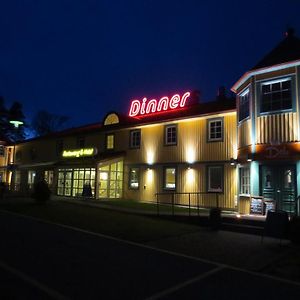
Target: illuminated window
point(48, 176)
point(215, 179)
point(245, 180)
point(31, 179)
point(135, 138)
point(134, 175)
point(1, 150)
point(171, 135)
point(243, 100)
point(170, 178)
point(110, 141)
point(215, 130)
point(276, 95)
point(17, 180)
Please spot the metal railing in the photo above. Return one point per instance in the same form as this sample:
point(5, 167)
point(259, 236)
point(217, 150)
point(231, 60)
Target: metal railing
point(192, 200)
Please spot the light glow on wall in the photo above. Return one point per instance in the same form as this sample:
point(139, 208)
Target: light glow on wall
point(150, 157)
point(79, 152)
point(145, 108)
point(190, 176)
point(190, 154)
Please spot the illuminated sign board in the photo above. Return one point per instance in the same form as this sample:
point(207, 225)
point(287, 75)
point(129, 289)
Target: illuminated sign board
point(147, 107)
point(83, 152)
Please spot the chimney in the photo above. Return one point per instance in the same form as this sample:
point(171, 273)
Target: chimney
point(195, 97)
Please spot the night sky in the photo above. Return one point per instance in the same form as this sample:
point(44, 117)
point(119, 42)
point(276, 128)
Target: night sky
point(84, 58)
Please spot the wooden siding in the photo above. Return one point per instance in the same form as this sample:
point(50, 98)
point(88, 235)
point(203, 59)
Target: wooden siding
point(277, 128)
point(244, 134)
point(192, 144)
point(188, 181)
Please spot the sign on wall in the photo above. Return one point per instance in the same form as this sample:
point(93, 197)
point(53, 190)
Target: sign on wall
point(83, 152)
point(145, 107)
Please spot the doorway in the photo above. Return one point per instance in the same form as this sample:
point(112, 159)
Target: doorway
point(278, 183)
point(64, 183)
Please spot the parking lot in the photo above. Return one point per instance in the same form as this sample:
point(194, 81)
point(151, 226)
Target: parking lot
point(43, 260)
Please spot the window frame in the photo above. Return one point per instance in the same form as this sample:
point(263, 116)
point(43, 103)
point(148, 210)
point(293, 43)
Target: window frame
point(210, 189)
point(106, 141)
point(273, 81)
point(209, 121)
point(138, 178)
point(131, 146)
point(241, 185)
point(165, 178)
point(245, 92)
point(166, 143)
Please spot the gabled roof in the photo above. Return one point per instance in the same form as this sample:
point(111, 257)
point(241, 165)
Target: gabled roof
point(286, 54)
point(287, 50)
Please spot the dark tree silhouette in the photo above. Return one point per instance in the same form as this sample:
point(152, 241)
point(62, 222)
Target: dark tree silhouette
point(8, 130)
point(44, 122)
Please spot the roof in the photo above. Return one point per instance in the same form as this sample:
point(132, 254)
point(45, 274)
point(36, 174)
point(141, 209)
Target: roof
point(287, 50)
point(194, 110)
point(286, 54)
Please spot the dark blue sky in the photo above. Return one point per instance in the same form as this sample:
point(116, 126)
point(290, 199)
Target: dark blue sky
point(83, 58)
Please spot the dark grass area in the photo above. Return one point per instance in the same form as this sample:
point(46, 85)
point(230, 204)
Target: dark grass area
point(112, 223)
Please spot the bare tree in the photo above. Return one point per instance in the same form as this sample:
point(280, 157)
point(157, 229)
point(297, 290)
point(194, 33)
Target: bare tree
point(44, 122)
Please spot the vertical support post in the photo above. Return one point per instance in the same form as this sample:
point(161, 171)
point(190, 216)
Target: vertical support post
point(217, 199)
point(157, 204)
point(173, 204)
point(198, 204)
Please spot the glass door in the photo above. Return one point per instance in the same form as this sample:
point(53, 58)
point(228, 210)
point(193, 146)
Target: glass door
point(278, 184)
point(103, 184)
point(64, 184)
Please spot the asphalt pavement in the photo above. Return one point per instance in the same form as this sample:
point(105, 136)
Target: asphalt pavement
point(42, 260)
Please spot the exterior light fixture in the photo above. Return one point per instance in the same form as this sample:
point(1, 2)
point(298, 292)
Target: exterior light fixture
point(232, 161)
point(249, 157)
point(16, 123)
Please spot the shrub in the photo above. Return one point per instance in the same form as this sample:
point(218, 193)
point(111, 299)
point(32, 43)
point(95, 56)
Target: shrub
point(41, 191)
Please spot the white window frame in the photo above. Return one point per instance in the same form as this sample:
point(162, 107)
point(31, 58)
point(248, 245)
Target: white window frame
point(167, 142)
point(134, 185)
point(245, 179)
point(133, 138)
point(209, 125)
point(212, 189)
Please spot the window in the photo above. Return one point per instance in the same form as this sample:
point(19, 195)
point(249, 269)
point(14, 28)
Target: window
point(244, 105)
point(59, 147)
point(1, 150)
point(33, 153)
point(134, 175)
point(170, 178)
point(215, 130)
point(48, 176)
point(276, 95)
point(31, 179)
point(18, 155)
point(171, 135)
point(245, 180)
point(110, 141)
point(215, 179)
point(135, 138)
point(17, 180)
point(80, 142)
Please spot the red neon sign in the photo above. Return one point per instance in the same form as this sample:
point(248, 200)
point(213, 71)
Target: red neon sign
point(143, 108)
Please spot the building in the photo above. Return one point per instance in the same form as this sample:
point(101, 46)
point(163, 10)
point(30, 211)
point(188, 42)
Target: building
point(239, 155)
point(268, 128)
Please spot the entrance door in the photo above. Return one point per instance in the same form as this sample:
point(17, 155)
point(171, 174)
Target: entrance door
point(103, 184)
point(278, 184)
point(64, 184)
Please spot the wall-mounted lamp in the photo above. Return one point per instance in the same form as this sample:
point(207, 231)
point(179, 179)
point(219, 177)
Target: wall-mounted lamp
point(233, 161)
point(249, 157)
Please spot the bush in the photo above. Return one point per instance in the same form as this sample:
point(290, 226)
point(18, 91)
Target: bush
point(41, 191)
